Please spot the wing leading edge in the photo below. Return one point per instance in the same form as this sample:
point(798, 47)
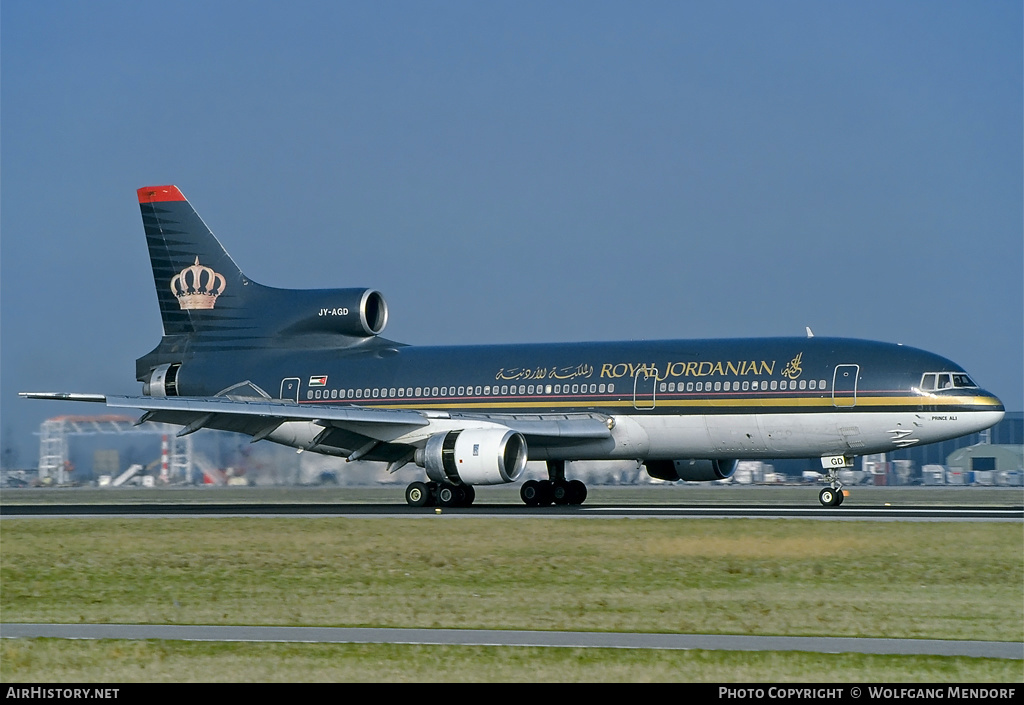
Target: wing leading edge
point(385, 434)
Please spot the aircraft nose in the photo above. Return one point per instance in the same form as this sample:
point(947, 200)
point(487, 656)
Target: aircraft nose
point(990, 411)
point(993, 402)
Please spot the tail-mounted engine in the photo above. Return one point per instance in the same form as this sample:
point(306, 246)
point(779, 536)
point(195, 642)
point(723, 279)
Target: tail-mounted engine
point(162, 381)
point(474, 456)
point(360, 313)
point(691, 470)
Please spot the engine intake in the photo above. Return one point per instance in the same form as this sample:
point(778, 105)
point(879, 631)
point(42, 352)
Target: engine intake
point(474, 456)
point(691, 469)
point(162, 381)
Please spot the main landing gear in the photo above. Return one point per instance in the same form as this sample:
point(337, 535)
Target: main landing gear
point(555, 490)
point(439, 494)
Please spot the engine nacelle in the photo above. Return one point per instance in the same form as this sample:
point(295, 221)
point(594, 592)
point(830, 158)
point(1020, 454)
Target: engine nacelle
point(489, 456)
point(361, 313)
point(162, 381)
point(691, 469)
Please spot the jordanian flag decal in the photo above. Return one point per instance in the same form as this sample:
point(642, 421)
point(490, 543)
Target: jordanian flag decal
point(320, 381)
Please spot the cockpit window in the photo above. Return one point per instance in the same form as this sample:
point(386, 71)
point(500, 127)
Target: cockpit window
point(932, 381)
point(963, 381)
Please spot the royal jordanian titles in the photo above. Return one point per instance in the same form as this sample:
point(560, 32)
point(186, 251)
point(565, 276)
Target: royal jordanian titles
point(309, 369)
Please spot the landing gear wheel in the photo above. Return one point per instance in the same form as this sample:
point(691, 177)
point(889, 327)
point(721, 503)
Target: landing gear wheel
point(831, 497)
point(577, 492)
point(560, 492)
point(545, 493)
point(417, 494)
point(530, 493)
point(454, 495)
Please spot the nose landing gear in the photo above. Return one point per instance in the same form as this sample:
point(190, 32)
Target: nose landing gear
point(831, 497)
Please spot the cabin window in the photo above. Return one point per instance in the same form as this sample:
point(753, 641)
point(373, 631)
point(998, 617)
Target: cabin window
point(803, 384)
point(821, 384)
point(813, 383)
point(547, 389)
point(522, 389)
point(663, 387)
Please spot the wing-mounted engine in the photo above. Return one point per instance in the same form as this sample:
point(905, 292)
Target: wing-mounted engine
point(691, 469)
point(474, 456)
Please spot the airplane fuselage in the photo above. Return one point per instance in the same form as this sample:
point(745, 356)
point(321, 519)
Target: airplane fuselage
point(743, 398)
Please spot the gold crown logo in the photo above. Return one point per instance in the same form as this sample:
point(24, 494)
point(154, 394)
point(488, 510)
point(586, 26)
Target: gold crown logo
point(197, 287)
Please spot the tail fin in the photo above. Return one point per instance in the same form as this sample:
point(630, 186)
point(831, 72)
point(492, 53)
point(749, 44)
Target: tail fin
point(208, 305)
point(195, 277)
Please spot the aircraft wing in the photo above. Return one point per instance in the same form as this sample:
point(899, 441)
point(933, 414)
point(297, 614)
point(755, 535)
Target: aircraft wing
point(386, 434)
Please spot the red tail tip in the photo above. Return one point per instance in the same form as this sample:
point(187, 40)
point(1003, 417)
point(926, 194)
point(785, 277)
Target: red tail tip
point(159, 194)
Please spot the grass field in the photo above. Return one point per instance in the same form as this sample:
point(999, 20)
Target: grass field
point(737, 576)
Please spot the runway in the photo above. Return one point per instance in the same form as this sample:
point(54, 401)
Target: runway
point(495, 637)
point(609, 510)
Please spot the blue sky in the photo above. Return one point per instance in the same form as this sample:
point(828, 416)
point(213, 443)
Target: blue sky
point(518, 171)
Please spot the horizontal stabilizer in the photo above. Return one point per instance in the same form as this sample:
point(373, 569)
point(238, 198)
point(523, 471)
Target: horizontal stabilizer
point(63, 396)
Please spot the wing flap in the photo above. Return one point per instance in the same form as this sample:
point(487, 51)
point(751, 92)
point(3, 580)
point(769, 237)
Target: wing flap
point(550, 429)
